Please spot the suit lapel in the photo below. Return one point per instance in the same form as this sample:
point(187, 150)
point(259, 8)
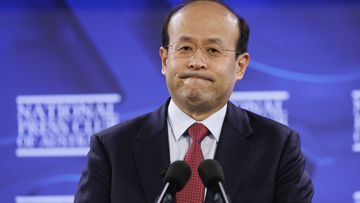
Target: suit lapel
point(151, 153)
point(234, 149)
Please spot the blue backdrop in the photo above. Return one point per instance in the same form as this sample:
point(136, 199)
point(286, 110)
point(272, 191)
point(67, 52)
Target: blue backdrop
point(85, 65)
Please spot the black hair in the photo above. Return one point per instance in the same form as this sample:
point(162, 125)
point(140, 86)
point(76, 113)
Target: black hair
point(242, 42)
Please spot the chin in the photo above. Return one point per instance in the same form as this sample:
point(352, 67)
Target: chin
point(197, 98)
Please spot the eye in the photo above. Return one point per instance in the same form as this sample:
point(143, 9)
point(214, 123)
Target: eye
point(185, 49)
point(213, 50)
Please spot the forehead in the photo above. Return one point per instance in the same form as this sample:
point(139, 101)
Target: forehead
point(204, 20)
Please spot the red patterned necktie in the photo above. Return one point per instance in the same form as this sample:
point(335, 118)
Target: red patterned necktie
point(193, 192)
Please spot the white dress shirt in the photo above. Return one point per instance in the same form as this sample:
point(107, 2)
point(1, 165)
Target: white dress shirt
point(178, 122)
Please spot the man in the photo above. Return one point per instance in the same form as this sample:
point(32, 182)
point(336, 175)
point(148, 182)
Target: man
point(203, 55)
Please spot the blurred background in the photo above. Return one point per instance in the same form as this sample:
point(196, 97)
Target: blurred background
point(71, 68)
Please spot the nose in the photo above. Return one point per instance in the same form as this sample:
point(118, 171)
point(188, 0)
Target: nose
point(197, 61)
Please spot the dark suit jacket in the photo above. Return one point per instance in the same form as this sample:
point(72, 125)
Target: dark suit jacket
point(261, 159)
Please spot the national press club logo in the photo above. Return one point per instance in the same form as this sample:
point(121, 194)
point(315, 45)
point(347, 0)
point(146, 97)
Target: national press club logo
point(61, 125)
point(265, 103)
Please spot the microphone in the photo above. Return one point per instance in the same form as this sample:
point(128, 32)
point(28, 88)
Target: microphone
point(212, 176)
point(177, 175)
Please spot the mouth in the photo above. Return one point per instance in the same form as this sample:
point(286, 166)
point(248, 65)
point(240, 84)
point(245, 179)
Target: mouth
point(196, 76)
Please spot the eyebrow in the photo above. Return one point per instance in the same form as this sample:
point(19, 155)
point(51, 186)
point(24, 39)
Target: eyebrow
point(209, 40)
point(185, 38)
point(215, 40)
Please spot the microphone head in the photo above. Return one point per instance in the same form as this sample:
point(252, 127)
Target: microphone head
point(178, 175)
point(211, 173)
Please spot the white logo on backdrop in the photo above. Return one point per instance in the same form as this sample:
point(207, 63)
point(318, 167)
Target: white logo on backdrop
point(356, 112)
point(44, 199)
point(61, 125)
point(356, 197)
point(265, 103)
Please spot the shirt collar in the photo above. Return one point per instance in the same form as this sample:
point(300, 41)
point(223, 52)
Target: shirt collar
point(179, 121)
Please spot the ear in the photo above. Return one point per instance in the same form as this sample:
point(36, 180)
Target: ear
point(242, 62)
point(164, 56)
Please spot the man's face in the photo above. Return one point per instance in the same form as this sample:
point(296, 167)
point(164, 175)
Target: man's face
point(202, 79)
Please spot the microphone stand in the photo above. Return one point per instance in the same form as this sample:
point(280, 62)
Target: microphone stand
point(165, 197)
point(218, 198)
point(168, 198)
point(221, 197)
point(223, 194)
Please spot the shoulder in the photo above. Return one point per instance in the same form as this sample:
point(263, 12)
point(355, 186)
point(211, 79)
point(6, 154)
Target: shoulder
point(261, 128)
point(125, 133)
point(125, 130)
point(261, 123)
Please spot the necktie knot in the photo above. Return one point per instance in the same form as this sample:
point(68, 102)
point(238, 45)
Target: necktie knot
point(197, 132)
